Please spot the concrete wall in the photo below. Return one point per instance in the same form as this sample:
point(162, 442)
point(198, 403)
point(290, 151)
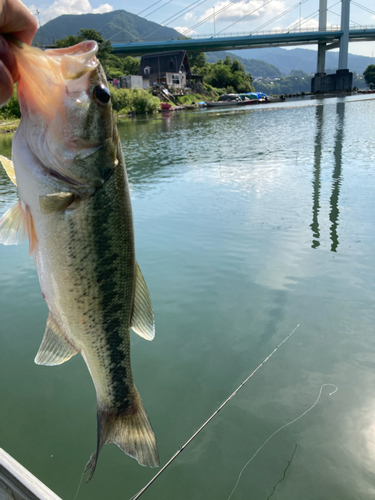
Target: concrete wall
point(342, 80)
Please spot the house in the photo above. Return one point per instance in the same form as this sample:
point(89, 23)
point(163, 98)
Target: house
point(165, 68)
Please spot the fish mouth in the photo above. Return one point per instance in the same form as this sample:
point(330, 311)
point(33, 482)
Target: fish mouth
point(44, 90)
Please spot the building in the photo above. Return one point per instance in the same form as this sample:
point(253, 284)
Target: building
point(165, 68)
point(131, 82)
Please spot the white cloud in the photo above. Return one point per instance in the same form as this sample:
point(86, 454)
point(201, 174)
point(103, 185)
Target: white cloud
point(306, 24)
point(188, 15)
point(250, 8)
point(60, 7)
point(105, 7)
point(182, 29)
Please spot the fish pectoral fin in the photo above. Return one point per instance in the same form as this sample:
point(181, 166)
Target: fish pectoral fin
point(8, 166)
point(55, 202)
point(142, 320)
point(130, 430)
point(13, 225)
point(54, 349)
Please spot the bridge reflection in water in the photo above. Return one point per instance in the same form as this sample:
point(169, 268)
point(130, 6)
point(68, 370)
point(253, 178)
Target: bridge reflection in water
point(336, 177)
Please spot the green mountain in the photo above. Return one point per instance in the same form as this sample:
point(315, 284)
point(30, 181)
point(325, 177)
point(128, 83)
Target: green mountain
point(120, 25)
point(253, 66)
point(304, 59)
point(117, 25)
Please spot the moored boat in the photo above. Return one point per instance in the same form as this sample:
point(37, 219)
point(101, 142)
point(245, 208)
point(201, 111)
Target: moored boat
point(215, 104)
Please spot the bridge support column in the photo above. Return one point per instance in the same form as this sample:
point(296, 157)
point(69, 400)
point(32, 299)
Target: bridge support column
point(344, 40)
point(342, 81)
point(321, 67)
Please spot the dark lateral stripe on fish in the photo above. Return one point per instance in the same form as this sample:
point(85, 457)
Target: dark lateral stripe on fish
point(111, 306)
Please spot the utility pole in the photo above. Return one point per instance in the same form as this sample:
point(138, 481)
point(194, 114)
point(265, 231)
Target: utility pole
point(214, 22)
point(300, 17)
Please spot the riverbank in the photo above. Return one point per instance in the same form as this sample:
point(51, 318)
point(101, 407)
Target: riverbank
point(7, 126)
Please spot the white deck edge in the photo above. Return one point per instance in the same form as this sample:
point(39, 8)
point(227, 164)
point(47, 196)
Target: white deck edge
point(13, 469)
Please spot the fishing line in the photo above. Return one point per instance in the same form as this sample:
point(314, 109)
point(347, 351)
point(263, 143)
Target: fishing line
point(278, 430)
point(140, 492)
point(79, 486)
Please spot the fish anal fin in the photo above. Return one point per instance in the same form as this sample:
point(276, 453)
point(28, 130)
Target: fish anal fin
point(130, 430)
point(142, 321)
point(13, 225)
point(8, 166)
point(55, 202)
point(54, 349)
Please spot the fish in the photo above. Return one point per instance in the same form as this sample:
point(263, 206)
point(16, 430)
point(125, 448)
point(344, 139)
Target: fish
point(75, 209)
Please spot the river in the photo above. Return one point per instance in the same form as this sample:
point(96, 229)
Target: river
point(248, 223)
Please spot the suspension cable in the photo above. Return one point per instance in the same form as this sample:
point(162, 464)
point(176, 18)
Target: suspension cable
point(243, 17)
point(178, 16)
point(363, 7)
point(211, 16)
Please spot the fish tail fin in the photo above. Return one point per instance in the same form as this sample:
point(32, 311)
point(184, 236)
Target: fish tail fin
point(130, 430)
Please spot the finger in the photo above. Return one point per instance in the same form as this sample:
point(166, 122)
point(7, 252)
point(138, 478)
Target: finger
point(6, 84)
point(7, 57)
point(16, 18)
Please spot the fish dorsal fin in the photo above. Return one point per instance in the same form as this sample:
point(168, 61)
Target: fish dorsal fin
point(13, 226)
point(9, 168)
point(54, 349)
point(142, 321)
point(55, 202)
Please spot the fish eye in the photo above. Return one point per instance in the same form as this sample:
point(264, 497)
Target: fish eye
point(102, 94)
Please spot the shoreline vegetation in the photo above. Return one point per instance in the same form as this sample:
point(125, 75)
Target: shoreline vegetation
point(222, 77)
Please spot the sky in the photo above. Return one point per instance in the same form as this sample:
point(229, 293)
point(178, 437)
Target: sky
point(239, 16)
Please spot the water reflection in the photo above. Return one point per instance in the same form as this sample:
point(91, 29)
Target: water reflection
point(316, 180)
point(336, 176)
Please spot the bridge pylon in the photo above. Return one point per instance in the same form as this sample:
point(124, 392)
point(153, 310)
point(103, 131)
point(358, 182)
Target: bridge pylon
point(343, 79)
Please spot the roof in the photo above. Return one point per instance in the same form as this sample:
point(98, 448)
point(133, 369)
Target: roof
point(165, 62)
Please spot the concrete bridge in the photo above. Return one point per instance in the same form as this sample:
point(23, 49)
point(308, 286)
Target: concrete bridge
point(275, 39)
point(324, 38)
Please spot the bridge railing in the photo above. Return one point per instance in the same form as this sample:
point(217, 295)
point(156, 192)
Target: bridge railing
point(332, 28)
point(280, 31)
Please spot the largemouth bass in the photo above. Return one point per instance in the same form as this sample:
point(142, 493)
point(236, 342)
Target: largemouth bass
point(74, 207)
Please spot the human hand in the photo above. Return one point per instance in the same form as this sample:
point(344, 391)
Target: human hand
point(15, 18)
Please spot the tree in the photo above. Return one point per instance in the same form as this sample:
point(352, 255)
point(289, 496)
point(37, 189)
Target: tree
point(197, 62)
point(229, 73)
point(130, 65)
point(369, 75)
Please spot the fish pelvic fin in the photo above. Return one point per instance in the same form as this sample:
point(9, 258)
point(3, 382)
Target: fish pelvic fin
point(130, 430)
point(8, 166)
point(13, 225)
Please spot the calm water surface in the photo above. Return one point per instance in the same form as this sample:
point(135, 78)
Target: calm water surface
point(247, 223)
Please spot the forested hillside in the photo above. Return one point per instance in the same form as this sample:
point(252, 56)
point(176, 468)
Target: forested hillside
point(117, 25)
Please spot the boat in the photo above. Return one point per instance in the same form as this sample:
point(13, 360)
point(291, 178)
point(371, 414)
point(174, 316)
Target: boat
point(216, 104)
point(225, 100)
point(247, 101)
point(165, 105)
point(229, 97)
